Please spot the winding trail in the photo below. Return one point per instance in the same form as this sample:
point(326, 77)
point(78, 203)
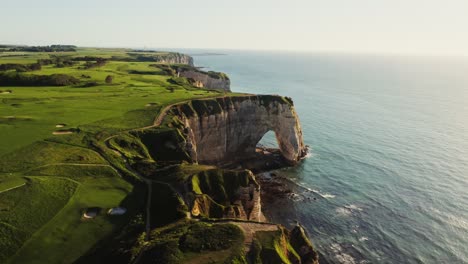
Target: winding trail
point(12, 188)
point(148, 209)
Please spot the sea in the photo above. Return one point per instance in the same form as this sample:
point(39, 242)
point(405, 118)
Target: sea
point(388, 161)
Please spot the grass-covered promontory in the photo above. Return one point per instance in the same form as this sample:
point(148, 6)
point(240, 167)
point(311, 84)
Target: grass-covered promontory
point(84, 131)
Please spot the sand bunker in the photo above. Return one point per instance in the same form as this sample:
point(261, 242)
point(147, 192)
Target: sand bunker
point(117, 211)
point(5, 92)
point(63, 132)
point(91, 213)
point(150, 104)
point(66, 131)
point(60, 125)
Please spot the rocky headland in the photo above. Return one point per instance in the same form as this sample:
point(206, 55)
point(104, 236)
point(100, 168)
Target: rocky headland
point(199, 160)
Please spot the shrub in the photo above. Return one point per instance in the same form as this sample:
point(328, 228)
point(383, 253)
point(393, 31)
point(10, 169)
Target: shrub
point(202, 236)
point(99, 63)
point(109, 79)
point(18, 79)
point(20, 67)
point(52, 48)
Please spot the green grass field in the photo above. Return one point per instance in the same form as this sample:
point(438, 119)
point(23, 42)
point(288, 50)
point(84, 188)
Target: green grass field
point(53, 165)
point(24, 210)
point(29, 114)
point(77, 131)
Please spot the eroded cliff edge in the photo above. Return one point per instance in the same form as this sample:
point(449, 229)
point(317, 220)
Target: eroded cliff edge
point(228, 128)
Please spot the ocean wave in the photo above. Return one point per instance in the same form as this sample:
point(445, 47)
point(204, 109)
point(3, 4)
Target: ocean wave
point(299, 196)
point(327, 195)
point(348, 210)
point(323, 195)
point(309, 155)
point(362, 239)
point(343, 211)
point(353, 207)
point(450, 219)
point(340, 256)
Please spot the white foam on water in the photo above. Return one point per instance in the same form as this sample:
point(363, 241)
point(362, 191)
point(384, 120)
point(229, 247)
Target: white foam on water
point(362, 239)
point(327, 195)
point(343, 211)
point(347, 210)
point(353, 207)
point(323, 195)
point(340, 256)
point(309, 155)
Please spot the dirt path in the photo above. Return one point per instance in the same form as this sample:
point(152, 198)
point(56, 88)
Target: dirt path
point(148, 209)
point(12, 188)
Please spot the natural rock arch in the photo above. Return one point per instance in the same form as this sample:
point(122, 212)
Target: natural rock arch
point(229, 128)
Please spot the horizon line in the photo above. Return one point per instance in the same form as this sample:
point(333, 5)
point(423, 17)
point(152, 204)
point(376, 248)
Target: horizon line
point(310, 51)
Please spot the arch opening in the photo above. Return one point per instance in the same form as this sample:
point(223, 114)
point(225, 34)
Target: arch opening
point(268, 141)
point(265, 154)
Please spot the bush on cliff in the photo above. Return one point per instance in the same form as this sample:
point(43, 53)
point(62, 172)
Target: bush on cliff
point(20, 67)
point(220, 185)
point(273, 247)
point(202, 236)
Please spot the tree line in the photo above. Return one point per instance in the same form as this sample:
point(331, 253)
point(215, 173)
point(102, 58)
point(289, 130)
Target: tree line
point(51, 48)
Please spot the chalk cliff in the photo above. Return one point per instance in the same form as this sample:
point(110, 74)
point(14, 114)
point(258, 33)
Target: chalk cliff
point(228, 128)
point(162, 57)
point(210, 80)
point(174, 58)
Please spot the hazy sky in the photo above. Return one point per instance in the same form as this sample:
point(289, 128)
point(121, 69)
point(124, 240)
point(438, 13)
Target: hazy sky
point(396, 26)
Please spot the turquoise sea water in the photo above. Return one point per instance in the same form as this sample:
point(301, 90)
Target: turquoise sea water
point(389, 150)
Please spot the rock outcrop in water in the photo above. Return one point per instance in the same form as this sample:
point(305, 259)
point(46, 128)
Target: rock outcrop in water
point(227, 129)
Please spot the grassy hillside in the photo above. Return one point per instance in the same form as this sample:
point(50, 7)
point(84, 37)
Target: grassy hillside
point(82, 133)
point(56, 111)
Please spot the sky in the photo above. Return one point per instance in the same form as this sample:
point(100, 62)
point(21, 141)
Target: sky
point(352, 26)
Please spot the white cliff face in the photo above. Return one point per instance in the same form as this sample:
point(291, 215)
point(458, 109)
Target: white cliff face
point(204, 80)
point(174, 58)
point(229, 128)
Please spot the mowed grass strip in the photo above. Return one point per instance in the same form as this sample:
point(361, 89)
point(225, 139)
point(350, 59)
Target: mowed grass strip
point(43, 153)
point(9, 183)
point(24, 210)
point(68, 235)
point(77, 172)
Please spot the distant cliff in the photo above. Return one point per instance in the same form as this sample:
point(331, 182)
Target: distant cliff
point(160, 57)
point(175, 58)
point(210, 80)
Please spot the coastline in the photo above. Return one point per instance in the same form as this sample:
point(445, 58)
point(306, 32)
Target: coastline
point(278, 195)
